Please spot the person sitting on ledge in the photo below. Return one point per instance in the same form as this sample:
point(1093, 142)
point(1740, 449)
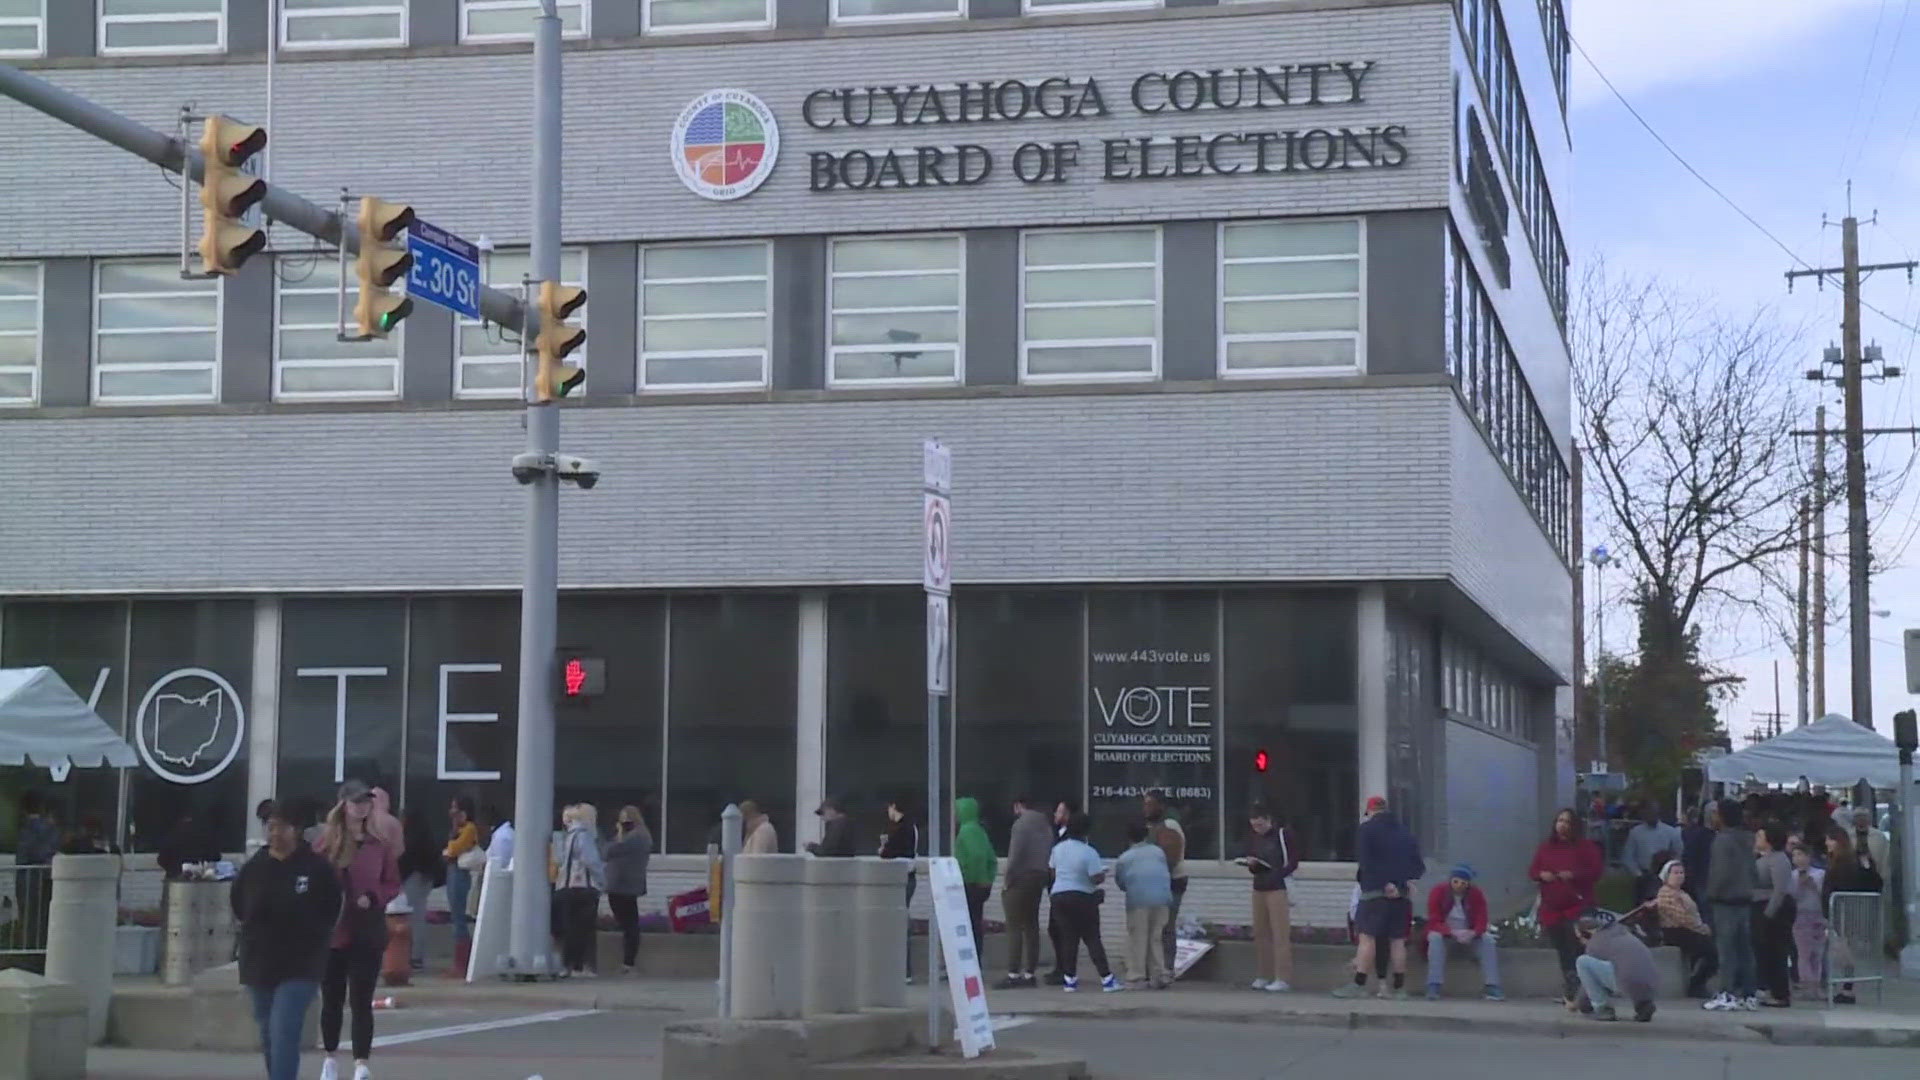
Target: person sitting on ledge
point(1457, 920)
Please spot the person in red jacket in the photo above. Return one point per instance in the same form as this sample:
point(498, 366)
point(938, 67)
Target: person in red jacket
point(1457, 918)
point(1567, 866)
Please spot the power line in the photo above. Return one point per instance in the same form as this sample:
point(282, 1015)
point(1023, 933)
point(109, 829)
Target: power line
point(1866, 76)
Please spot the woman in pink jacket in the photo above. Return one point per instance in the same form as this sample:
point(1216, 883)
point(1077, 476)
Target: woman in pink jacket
point(369, 877)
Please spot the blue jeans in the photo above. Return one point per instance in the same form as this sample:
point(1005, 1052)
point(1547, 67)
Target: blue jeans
point(1733, 940)
point(1597, 979)
point(459, 883)
point(281, 1012)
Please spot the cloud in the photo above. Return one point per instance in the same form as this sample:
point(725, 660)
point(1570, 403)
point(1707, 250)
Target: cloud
point(1653, 44)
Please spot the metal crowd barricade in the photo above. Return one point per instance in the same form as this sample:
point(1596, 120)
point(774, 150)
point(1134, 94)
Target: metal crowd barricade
point(24, 909)
point(1854, 941)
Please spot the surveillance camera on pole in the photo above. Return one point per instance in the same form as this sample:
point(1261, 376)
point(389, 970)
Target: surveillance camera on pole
point(532, 465)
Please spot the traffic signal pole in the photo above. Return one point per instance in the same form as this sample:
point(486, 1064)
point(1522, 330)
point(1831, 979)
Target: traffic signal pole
point(175, 155)
point(533, 759)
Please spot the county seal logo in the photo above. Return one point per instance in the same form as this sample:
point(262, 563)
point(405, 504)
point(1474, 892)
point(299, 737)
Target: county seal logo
point(725, 143)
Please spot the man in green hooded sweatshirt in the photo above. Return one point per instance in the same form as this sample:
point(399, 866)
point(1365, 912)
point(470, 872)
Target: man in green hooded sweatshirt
point(978, 864)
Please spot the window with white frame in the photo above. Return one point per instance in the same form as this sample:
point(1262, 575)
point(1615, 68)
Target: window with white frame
point(488, 364)
point(1087, 5)
point(1290, 297)
point(703, 316)
point(1090, 304)
point(156, 337)
point(895, 304)
point(23, 27)
point(512, 20)
point(310, 362)
point(858, 11)
point(19, 332)
point(668, 16)
point(162, 26)
point(333, 24)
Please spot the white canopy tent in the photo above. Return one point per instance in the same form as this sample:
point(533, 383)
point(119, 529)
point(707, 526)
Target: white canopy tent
point(1832, 750)
point(44, 722)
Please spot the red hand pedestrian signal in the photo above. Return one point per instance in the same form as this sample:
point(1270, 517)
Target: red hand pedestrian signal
point(1260, 761)
point(576, 676)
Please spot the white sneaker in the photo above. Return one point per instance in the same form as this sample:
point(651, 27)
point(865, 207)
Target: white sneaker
point(361, 1072)
point(328, 1070)
point(1749, 1004)
point(1278, 986)
point(1721, 1002)
point(1260, 984)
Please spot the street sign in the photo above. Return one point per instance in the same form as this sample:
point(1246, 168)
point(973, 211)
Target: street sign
point(1913, 661)
point(936, 467)
point(938, 643)
point(446, 270)
point(937, 575)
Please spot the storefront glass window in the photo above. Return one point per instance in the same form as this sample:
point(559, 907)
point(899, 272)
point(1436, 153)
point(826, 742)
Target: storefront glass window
point(1290, 692)
point(190, 677)
point(1019, 670)
point(342, 697)
point(86, 644)
point(607, 748)
point(733, 662)
point(876, 705)
point(463, 704)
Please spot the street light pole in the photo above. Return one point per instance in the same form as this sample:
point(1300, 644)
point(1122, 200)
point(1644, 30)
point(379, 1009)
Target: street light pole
point(1600, 560)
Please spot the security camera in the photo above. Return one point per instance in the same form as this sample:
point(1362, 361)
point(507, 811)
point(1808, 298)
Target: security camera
point(577, 469)
point(530, 466)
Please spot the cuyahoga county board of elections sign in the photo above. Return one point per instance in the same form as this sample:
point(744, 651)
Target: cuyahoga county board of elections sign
point(725, 144)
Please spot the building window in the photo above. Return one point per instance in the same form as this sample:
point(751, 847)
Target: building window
point(703, 316)
point(334, 24)
point(1290, 298)
point(859, 11)
point(896, 310)
point(310, 360)
point(1553, 23)
point(156, 337)
point(1086, 5)
point(23, 27)
point(19, 333)
point(694, 16)
point(512, 20)
point(162, 26)
point(1090, 304)
point(489, 364)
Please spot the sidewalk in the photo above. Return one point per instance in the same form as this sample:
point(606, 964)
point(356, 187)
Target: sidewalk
point(1892, 1022)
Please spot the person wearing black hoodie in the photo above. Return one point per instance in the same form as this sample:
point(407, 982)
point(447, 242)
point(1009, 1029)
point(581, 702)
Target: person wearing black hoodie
point(902, 841)
point(286, 900)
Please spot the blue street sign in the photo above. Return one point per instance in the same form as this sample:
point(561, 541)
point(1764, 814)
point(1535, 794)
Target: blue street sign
point(446, 269)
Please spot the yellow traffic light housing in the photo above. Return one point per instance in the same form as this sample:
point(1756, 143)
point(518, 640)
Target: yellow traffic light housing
point(226, 193)
point(380, 265)
point(553, 377)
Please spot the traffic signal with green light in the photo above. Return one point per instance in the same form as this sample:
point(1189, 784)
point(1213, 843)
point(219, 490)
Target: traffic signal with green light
point(226, 193)
point(380, 264)
point(554, 377)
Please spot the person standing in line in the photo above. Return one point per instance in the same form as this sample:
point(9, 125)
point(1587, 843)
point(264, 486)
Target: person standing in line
point(1649, 845)
point(1566, 865)
point(1809, 915)
point(579, 877)
point(626, 869)
point(384, 825)
point(1271, 857)
point(973, 850)
point(1844, 875)
point(369, 878)
point(422, 870)
point(1696, 854)
point(286, 901)
point(1773, 914)
point(1172, 838)
point(902, 841)
point(1142, 873)
point(1390, 862)
point(759, 837)
point(1681, 926)
point(1730, 878)
point(1063, 812)
point(1457, 917)
point(464, 837)
point(1028, 845)
point(1077, 872)
point(836, 831)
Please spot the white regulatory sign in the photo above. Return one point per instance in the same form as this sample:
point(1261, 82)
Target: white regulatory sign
point(936, 467)
point(1913, 661)
point(937, 576)
point(939, 643)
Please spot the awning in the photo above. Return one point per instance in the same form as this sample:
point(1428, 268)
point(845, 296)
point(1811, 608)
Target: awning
point(1832, 750)
point(44, 722)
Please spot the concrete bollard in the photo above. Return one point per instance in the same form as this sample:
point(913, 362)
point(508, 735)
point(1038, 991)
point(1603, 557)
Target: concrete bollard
point(831, 931)
point(43, 1027)
point(880, 940)
point(768, 962)
point(80, 938)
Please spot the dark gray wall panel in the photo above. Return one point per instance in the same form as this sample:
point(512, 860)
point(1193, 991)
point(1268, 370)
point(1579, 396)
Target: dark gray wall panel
point(1407, 292)
point(66, 332)
point(993, 307)
point(70, 28)
point(1189, 289)
point(426, 354)
point(801, 14)
point(246, 333)
point(433, 22)
point(799, 312)
point(615, 19)
point(612, 275)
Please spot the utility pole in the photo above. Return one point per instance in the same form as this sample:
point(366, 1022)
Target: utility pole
point(1800, 624)
point(1820, 563)
point(1601, 558)
point(528, 940)
point(1859, 600)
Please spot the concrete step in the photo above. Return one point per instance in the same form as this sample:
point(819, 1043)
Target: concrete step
point(993, 1065)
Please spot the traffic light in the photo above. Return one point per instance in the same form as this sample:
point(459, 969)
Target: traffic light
point(380, 265)
point(554, 377)
point(226, 193)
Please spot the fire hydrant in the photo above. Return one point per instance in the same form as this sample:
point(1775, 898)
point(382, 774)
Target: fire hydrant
point(396, 967)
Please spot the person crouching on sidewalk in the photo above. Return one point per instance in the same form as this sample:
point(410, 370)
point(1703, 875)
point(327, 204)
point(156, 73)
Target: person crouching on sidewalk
point(1457, 919)
point(1616, 964)
point(1143, 874)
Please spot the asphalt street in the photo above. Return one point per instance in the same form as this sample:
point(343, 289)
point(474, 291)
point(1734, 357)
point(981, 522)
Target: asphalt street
point(505, 1043)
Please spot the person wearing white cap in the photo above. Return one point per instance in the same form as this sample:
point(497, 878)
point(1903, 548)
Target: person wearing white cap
point(1682, 927)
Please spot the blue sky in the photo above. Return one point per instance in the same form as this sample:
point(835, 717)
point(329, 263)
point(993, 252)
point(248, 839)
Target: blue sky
point(1779, 103)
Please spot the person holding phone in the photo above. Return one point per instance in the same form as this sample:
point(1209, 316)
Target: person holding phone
point(626, 860)
point(1271, 860)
